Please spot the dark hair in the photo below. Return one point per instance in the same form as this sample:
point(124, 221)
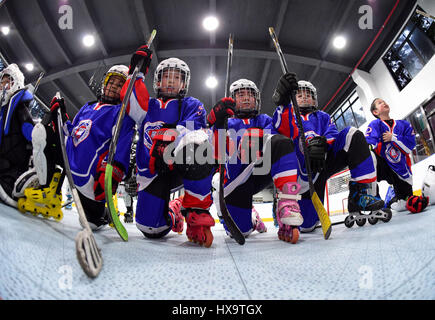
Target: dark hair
point(373, 107)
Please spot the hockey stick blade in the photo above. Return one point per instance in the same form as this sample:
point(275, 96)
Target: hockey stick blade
point(112, 150)
point(87, 251)
point(318, 205)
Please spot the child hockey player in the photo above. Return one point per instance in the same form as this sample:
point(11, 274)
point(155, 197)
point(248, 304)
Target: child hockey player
point(255, 136)
point(16, 127)
point(87, 146)
point(392, 142)
point(169, 125)
point(330, 151)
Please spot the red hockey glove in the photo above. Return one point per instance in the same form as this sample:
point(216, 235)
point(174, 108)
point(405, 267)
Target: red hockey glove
point(223, 109)
point(117, 175)
point(251, 145)
point(56, 104)
point(162, 138)
point(142, 53)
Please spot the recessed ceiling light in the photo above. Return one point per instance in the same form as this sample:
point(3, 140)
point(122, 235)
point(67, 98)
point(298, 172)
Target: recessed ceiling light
point(5, 30)
point(29, 66)
point(210, 23)
point(339, 42)
point(88, 40)
point(211, 82)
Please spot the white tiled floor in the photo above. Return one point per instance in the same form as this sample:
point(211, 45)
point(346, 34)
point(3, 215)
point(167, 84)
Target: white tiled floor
point(394, 260)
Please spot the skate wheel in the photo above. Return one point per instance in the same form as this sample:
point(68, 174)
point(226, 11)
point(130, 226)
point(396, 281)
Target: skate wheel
point(360, 222)
point(294, 236)
point(373, 220)
point(389, 215)
point(348, 222)
point(208, 238)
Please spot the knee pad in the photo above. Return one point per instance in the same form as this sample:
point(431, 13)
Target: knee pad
point(194, 156)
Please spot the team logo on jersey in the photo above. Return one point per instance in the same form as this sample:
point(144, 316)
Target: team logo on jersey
point(81, 131)
point(368, 131)
point(150, 131)
point(393, 155)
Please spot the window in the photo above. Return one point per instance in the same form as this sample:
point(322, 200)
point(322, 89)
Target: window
point(414, 47)
point(423, 121)
point(350, 113)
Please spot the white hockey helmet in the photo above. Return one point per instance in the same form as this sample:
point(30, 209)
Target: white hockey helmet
point(16, 81)
point(117, 70)
point(246, 84)
point(176, 65)
point(308, 88)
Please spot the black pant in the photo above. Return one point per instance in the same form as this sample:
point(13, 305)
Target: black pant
point(402, 189)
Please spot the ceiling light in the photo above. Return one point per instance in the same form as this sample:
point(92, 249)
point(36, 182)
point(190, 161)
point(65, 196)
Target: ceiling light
point(211, 82)
point(5, 30)
point(339, 42)
point(88, 40)
point(210, 23)
point(29, 66)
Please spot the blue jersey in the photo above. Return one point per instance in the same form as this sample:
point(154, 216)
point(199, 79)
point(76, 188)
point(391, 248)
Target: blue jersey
point(318, 123)
point(89, 139)
point(236, 129)
point(151, 114)
point(396, 152)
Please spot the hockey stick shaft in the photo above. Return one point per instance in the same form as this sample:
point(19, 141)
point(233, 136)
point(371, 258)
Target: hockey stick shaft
point(88, 253)
point(112, 149)
point(320, 209)
point(425, 14)
point(229, 222)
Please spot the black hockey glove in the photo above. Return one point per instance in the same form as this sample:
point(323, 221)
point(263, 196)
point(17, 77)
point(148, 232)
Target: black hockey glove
point(141, 53)
point(286, 85)
point(317, 148)
point(223, 109)
point(162, 138)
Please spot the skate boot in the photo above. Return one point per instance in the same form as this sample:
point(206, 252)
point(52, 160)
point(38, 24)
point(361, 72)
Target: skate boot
point(399, 205)
point(289, 214)
point(257, 223)
point(199, 222)
point(44, 201)
point(362, 199)
point(177, 218)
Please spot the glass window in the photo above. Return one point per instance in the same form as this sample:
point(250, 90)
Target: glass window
point(410, 60)
point(412, 49)
point(423, 44)
point(424, 147)
point(348, 118)
point(358, 112)
point(339, 123)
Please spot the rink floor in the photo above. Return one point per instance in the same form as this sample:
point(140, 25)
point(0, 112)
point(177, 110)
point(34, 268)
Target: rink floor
point(394, 260)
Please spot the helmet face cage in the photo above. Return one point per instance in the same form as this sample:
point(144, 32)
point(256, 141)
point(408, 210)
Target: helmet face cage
point(248, 89)
point(120, 71)
point(16, 81)
point(306, 89)
point(172, 71)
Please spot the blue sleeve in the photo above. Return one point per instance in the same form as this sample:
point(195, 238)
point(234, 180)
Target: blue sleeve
point(193, 112)
point(405, 140)
point(123, 147)
point(372, 134)
point(27, 129)
point(330, 131)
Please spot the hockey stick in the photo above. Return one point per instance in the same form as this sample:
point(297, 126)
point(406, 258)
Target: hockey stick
point(112, 149)
point(318, 205)
point(87, 250)
point(225, 215)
